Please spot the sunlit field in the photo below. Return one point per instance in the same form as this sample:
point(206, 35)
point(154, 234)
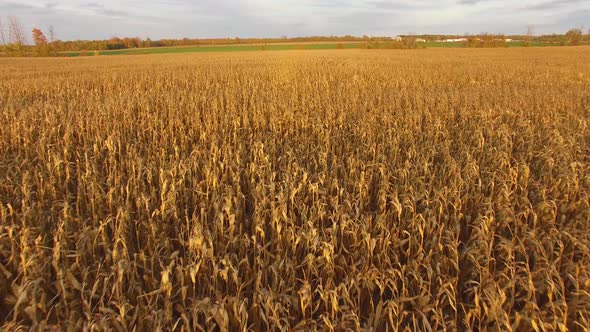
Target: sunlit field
point(431, 189)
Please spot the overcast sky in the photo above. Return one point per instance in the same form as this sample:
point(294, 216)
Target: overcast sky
point(102, 19)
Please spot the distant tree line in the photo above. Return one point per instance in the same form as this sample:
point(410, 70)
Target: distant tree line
point(571, 37)
point(117, 43)
point(13, 41)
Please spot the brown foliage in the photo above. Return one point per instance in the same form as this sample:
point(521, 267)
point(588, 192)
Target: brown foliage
point(431, 190)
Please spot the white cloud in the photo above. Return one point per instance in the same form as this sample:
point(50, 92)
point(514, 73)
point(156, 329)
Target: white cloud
point(93, 19)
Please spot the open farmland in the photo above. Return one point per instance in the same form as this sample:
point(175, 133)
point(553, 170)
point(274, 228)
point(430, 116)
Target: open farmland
point(234, 48)
point(285, 47)
point(432, 189)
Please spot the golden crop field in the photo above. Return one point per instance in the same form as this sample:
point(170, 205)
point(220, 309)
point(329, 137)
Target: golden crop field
point(308, 190)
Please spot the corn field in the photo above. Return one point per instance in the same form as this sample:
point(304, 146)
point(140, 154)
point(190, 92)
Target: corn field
point(388, 190)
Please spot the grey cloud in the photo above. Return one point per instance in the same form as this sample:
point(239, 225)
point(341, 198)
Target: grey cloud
point(372, 5)
point(93, 5)
point(394, 5)
point(469, 2)
point(334, 4)
point(573, 19)
point(112, 12)
point(17, 9)
point(554, 4)
point(13, 6)
point(100, 9)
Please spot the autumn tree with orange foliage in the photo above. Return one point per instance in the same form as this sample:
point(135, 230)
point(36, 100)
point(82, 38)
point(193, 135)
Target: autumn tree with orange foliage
point(40, 42)
point(38, 37)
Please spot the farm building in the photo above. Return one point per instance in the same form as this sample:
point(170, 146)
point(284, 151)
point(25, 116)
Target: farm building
point(455, 40)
